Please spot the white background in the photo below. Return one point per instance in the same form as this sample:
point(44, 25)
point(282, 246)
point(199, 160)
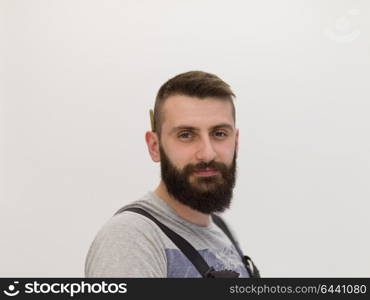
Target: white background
point(77, 79)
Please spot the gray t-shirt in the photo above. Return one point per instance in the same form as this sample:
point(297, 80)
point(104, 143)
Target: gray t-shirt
point(131, 245)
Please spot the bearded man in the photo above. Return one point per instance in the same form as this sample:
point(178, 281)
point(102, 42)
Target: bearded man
point(175, 230)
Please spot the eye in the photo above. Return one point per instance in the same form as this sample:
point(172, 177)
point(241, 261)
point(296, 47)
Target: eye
point(220, 134)
point(185, 135)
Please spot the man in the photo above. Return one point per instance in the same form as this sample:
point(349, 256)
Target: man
point(195, 140)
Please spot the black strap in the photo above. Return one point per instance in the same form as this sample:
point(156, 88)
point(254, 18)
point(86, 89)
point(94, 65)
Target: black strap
point(220, 223)
point(193, 255)
point(247, 261)
point(190, 252)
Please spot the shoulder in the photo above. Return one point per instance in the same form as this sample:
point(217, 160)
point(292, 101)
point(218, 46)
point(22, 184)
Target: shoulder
point(128, 245)
point(129, 226)
point(125, 223)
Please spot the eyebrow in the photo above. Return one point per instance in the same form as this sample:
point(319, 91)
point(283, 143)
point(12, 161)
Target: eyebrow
point(191, 128)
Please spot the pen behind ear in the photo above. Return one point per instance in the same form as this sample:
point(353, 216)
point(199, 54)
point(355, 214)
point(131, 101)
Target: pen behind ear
point(151, 114)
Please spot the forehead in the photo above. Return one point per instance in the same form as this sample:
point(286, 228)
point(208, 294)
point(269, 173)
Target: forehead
point(180, 110)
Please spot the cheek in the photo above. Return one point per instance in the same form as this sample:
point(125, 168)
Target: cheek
point(180, 156)
point(226, 153)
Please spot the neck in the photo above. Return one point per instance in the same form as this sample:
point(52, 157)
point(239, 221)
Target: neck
point(184, 211)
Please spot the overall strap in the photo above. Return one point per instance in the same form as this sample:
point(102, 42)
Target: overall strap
point(192, 254)
point(247, 261)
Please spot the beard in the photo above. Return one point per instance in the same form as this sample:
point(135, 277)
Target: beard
point(207, 194)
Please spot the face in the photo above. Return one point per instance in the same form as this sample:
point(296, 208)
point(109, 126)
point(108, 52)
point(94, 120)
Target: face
point(198, 149)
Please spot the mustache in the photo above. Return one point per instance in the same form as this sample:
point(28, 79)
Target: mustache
point(203, 166)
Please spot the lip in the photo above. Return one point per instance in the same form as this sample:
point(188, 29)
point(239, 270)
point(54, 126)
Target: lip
point(207, 172)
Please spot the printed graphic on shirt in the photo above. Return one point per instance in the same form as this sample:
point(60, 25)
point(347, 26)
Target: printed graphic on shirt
point(178, 266)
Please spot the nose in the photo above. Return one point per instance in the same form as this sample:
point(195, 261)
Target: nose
point(205, 151)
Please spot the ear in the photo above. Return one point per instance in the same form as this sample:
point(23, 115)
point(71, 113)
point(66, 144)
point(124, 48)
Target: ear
point(237, 141)
point(152, 143)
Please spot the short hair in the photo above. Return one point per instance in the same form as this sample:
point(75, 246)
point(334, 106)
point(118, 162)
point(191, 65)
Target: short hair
point(193, 84)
